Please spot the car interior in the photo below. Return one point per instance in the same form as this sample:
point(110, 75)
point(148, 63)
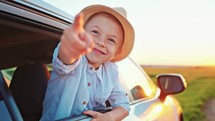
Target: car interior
point(28, 46)
point(29, 90)
point(25, 42)
point(138, 92)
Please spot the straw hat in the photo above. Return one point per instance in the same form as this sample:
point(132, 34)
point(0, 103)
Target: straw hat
point(120, 14)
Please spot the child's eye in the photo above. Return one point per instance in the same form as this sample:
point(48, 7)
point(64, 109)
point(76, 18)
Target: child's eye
point(95, 32)
point(112, 41)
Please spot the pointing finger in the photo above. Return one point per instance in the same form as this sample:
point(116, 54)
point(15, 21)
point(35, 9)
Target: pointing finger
point(79, 23)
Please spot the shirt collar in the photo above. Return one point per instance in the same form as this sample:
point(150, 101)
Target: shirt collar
point(92, 70)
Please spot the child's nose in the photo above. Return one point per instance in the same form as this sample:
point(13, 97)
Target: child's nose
point(101, 42)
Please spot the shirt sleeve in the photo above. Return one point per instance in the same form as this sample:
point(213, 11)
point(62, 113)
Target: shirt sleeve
point(119, 97)
point(60, 67)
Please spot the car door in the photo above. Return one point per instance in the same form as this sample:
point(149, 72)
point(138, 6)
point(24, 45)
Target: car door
point(144, 95)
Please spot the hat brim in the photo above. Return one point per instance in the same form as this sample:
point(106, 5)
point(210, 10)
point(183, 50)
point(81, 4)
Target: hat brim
point(128, 41)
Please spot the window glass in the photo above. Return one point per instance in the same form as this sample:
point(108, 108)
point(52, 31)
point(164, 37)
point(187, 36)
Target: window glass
point(135, 80)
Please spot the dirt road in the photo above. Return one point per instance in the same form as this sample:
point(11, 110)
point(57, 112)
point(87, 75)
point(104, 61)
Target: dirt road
point(209, 109)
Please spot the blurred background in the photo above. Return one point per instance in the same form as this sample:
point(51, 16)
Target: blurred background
point(172, 36)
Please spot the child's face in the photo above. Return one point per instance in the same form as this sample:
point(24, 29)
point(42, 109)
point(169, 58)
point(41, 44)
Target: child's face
point(108, 37)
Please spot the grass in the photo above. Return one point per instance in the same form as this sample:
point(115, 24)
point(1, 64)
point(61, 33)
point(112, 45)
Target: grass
point(193, 99)
point(201, 81)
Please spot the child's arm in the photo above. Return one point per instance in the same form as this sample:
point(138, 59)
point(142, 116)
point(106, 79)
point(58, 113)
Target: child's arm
point(75, 41)
point(117, 114)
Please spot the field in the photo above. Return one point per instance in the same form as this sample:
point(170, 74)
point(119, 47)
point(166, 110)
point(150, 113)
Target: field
point(201, 87)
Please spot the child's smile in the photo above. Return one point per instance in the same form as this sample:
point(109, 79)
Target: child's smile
point(97, 51)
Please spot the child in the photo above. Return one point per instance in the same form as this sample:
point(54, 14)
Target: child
point(84, 74)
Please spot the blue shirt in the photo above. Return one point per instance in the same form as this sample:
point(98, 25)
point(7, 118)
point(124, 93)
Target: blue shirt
point(78, 87)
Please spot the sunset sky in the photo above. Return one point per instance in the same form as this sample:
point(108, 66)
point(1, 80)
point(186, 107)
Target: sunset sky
point(168, 32)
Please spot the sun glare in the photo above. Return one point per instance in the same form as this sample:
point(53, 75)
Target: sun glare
point(157, 108)
point(168, 100)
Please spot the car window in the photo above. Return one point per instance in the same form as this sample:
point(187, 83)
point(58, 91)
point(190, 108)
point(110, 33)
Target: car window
point(135, 80)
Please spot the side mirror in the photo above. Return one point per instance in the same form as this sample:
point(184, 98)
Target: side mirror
point(171, 84)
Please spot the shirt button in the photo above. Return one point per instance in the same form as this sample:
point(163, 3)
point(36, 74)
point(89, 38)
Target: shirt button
point(84, 102)
point(91, 68)
point(88, 84)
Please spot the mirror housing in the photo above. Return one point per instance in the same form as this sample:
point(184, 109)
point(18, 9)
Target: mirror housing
point(170, 84)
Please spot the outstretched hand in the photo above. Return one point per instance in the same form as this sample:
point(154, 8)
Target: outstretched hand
point(75, 41)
